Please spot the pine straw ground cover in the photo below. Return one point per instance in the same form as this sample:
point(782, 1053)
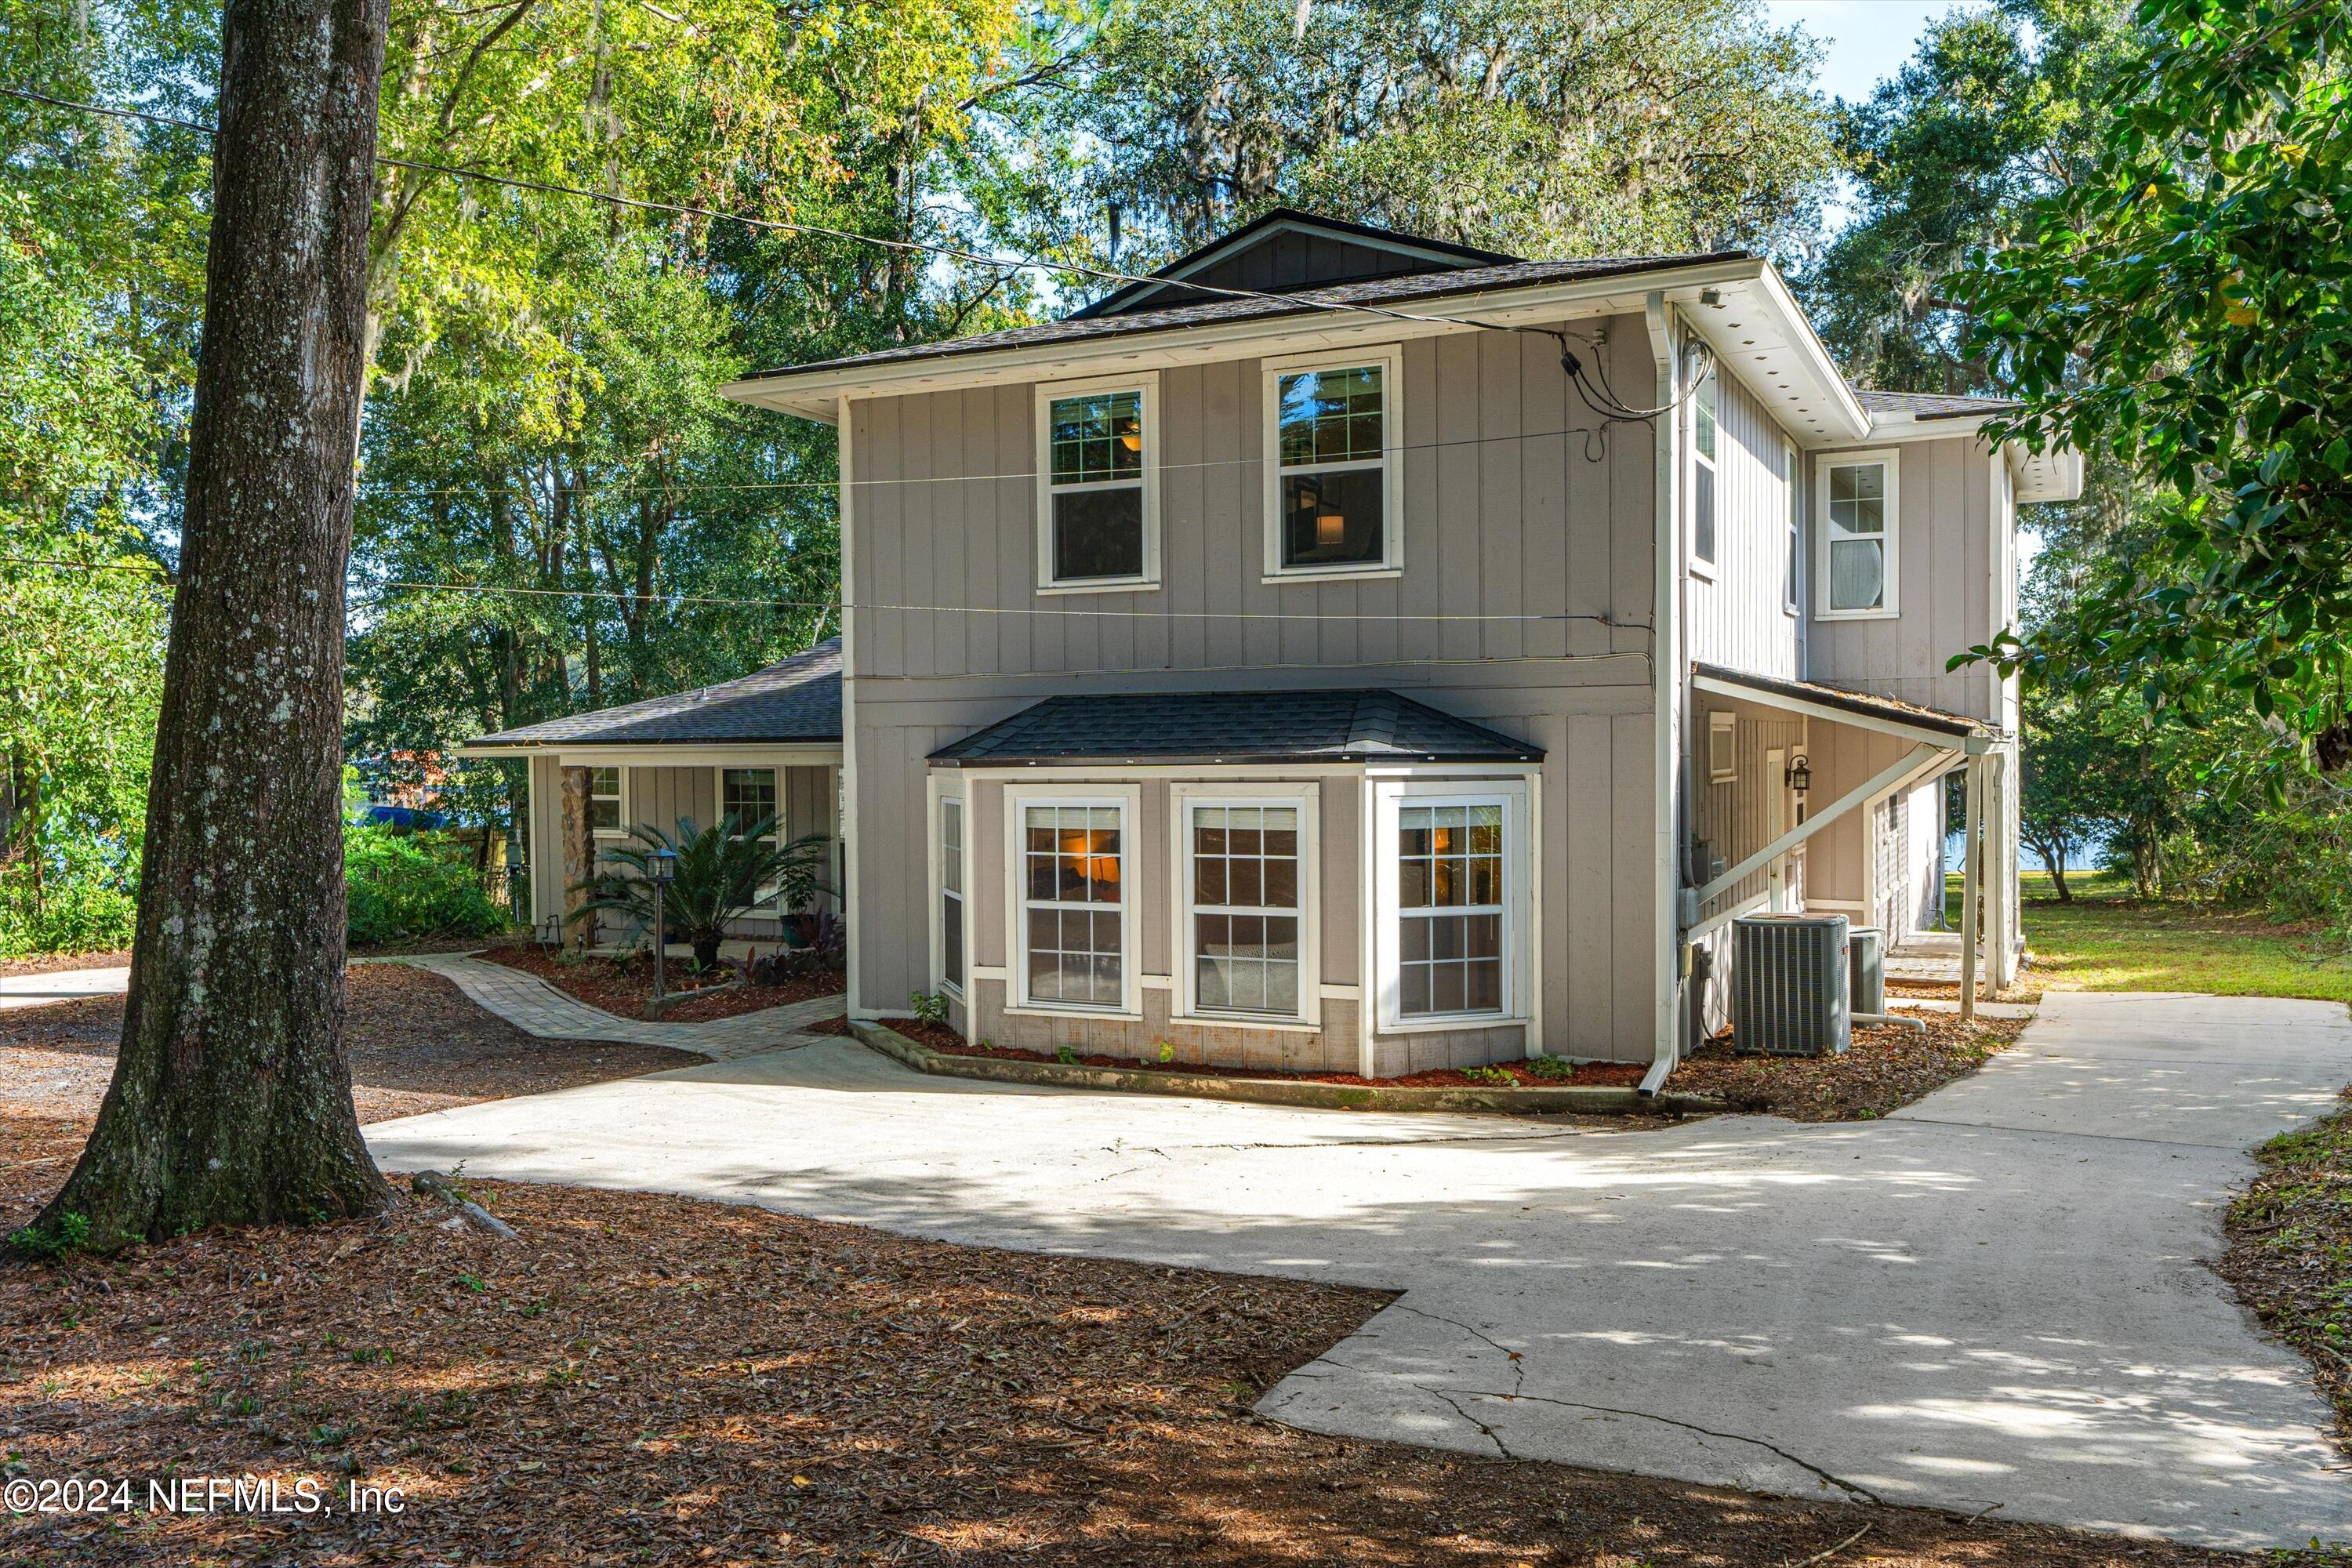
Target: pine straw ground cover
point(1884, 1069)
point(639, 1379)
point(2290, 1252)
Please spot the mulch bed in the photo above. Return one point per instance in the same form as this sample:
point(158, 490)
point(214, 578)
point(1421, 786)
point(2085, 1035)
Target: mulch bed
point(657, 1380)
point(623, 986)
point(2289, 1253)
point(1884, 1069)
point(59, 962)
point(417, 1045)
point(1614, 1075)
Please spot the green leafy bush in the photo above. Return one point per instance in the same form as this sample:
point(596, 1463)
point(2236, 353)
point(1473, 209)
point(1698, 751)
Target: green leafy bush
point(414, 885)
point(83, 911)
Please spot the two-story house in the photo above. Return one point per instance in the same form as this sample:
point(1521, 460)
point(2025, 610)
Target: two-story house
point(1349, 651)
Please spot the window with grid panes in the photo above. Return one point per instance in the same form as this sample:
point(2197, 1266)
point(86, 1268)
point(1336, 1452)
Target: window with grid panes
point(1073, 905)
point(1449, 908)
point(1246, 914)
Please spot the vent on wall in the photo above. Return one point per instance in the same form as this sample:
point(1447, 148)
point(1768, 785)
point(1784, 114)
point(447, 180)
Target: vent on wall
point(1790, 985)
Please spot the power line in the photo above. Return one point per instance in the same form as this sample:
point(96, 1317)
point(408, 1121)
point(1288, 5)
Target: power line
point(487, 589)
point(924, 247)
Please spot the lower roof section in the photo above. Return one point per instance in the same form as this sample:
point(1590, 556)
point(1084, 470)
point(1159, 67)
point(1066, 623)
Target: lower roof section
point(1357, 726)
point(796, 700)
point(1956, 731)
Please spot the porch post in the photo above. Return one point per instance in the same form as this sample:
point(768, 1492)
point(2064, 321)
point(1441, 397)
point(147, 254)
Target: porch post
point(1997, 866)
point(1971, 813)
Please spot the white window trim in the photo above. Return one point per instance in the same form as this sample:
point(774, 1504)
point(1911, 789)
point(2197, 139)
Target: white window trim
point(1703, 567)
point(1722, 721)
point(1308, 798)
point(773, 910)
point(948, 785)
point(1145, 384)
point(1892, 457)
point(1390, 359)
point(1129, 801)
point(1518, 917)
point(628, 821)
point(1792, 591)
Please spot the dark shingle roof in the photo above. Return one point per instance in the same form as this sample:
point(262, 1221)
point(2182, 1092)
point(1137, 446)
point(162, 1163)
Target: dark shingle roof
point(1234, 727)
point(1932, 404)
point(1440, 253)
point(1384, 291)
point(793, 700)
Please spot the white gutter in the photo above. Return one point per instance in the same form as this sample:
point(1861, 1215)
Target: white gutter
point(1665, 672)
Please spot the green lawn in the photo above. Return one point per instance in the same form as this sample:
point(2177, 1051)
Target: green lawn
point(2106, 940)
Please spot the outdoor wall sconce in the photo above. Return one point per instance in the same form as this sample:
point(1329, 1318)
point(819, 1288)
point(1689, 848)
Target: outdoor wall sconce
point(1800, 773)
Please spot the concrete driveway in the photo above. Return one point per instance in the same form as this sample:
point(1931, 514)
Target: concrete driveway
point(61, 985)
point(1999, 1298)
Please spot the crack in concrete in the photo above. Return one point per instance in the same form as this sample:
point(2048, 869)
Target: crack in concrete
point(1492, 1435)
point(1516, 1359)
point(1855, 1488)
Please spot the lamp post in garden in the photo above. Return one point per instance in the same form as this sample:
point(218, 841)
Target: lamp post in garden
point(664, 866)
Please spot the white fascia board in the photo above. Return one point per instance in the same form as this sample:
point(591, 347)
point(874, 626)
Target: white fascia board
point(1760, 336)
point(814, 396)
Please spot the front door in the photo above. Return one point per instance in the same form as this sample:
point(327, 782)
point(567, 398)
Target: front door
point(1890, 881)
point(1776, 823)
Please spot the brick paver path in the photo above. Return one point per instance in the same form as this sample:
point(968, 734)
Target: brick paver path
point(534, 1006)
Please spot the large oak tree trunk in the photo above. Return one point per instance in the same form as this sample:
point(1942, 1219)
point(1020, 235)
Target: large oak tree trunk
point(232, 1102)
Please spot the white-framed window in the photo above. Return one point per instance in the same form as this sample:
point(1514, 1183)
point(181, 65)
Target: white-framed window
point(1098, 484)
point(1856, 496)
point(1073, 852)
point(1704, 439)
point(949, 875)
point(1333, 429)
point(608, 809)
point(1792, 586)
point(1722, 748)
point(749, 796)
point(1452, 947)
point(1247, 908)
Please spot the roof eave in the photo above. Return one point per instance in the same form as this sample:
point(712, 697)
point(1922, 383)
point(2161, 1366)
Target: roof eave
point(817, 395)
point(1242, 759)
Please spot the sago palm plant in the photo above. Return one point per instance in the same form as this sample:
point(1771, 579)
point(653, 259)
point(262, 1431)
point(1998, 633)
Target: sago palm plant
point(720, 875)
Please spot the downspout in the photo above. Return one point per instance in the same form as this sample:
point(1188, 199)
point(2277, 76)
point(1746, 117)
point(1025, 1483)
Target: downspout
point(1665, 678)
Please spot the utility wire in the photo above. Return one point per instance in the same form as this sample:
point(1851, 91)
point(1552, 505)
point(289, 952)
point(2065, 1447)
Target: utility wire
point(406, 584)
point(945, 252)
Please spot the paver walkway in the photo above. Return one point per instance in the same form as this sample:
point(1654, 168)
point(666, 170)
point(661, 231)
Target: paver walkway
point(2000, 1296)
point(534, 1006)
point(61, 985)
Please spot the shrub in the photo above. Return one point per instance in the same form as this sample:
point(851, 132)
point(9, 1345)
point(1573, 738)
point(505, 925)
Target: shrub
point(76, 912)
point(412, 885)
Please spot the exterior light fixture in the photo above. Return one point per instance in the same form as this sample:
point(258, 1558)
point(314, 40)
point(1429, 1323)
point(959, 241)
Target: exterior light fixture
point(661, 870)
point(1800, 773)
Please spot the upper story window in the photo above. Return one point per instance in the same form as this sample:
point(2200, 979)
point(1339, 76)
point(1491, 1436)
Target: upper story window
point(1860, 535)
point(1099, 486)
point(1703, 444)
point(1332, 435)
point(607, 818)
point(1793, 584)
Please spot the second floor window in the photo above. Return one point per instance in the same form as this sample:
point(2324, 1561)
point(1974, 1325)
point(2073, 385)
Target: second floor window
point(1099, 487)
point(1859, 519)
point(1703, 443)
point(1334, 437)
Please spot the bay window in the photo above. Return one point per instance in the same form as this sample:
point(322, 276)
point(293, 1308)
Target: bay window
point(1073, 921)
point(950, 900)
point(1332, 433)
point(1247, 865)
point(1452, 914)
point(1857, 499)
point(1098, 484)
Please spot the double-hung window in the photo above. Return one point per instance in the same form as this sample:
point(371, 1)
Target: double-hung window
point(1332, 433)
point(1703, 486)
point(1794, 585)
point(1074, 919)
point(607, 814)
point(1248, 871)
point(1453, 950)
point(1858, 505)
point(1098, 501)
point(951, 893)
point(748, 796)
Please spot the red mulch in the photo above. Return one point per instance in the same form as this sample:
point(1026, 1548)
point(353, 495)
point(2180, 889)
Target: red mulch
point(623, 986)
point(1587, 1074)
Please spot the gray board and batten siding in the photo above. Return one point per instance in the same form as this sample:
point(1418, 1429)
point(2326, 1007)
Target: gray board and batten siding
point(1517, 501)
